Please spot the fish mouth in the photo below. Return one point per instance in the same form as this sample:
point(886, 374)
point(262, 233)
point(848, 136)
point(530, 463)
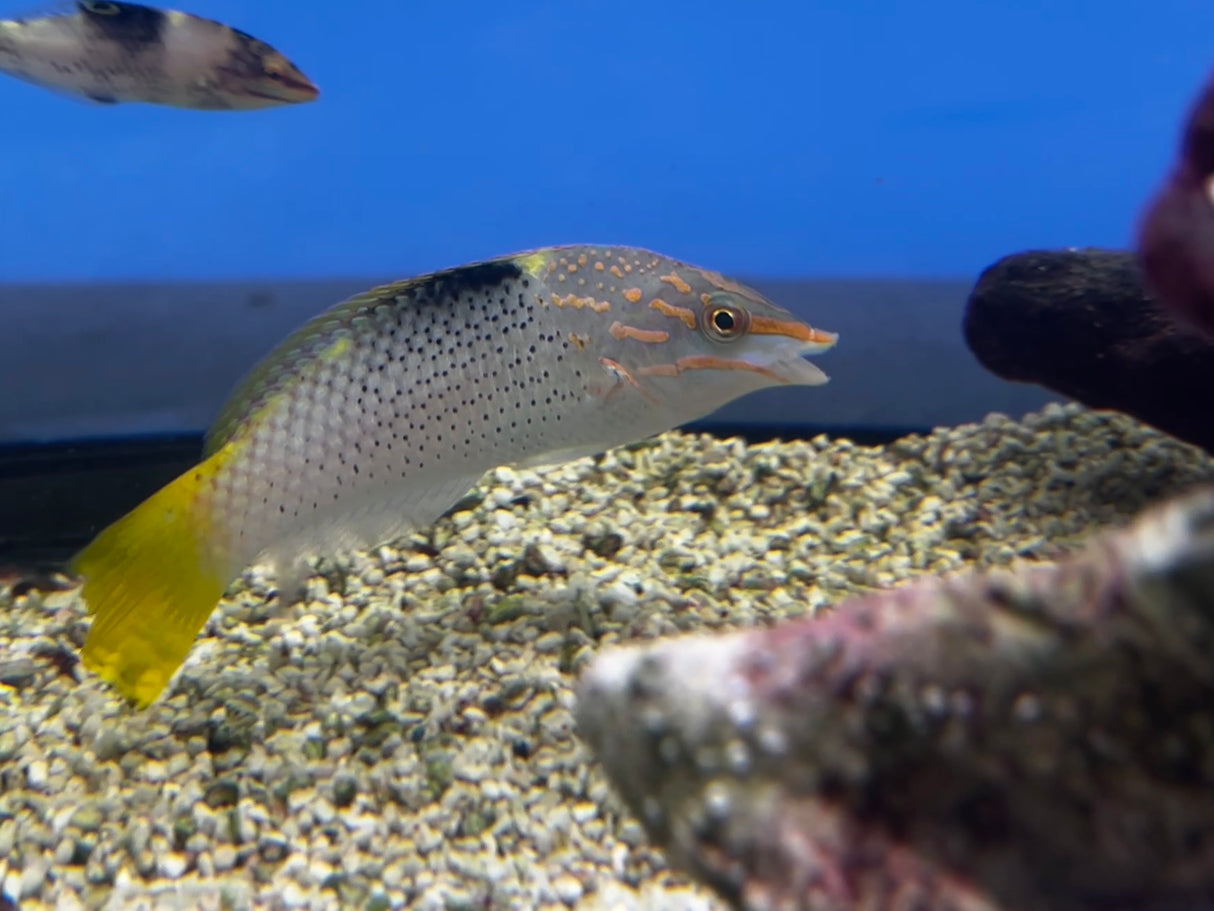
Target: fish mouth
point(773, 360)
point(286, 90)
point(796, 370)
point(301, 90)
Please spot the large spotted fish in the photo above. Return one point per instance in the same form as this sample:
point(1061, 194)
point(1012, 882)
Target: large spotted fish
point(125, 52)
point(378, 415)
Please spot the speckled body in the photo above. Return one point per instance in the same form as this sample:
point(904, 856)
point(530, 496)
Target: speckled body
point(124, 52)
point(379, 414)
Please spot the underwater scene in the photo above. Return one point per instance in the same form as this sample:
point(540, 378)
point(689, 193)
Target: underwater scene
point(607, 456)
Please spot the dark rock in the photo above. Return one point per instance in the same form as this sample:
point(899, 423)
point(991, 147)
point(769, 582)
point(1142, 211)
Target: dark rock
point(226, 735)
point(18, 672)
point(61, 659)
point(222, 793)
point(184, 828)
point(273, 849)
point(1080, 324)
point(1033, 739)
point(1176, 234)
point(505, 575)
point(345, 789)
point(535, 562)
point(603, 542)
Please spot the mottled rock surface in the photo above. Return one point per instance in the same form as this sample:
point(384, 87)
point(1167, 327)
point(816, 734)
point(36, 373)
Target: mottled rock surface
point(1032, 739)
point(1176, 234)
point(1080, 324)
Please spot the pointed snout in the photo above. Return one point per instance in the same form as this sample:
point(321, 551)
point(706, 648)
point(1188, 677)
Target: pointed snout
point(814, 340)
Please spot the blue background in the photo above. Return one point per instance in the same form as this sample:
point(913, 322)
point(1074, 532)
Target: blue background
point(859, 137)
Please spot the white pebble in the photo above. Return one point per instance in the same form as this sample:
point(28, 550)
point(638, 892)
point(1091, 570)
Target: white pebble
point(292, 896)
point(12, 886)
point(32, 877)
point(172, 866)
point(36, 774)
point(224, 857)
point(155, 772)
point(323, 812)
point(584, 812)
point(568, 889)
point(66, 900)
point(618, 594)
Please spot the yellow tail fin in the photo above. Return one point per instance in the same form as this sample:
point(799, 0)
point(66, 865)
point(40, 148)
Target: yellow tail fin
point(151, 580)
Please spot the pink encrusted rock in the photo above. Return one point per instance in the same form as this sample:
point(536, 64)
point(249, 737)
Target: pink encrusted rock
point(1176, 234)
point(1039, 739)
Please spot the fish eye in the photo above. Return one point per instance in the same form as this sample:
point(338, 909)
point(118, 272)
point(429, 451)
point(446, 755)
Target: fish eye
point(101, 8)
point(724, 322)
point(275, 68)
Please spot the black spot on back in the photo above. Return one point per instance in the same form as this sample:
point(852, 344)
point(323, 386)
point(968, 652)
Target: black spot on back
point(131, 24)
point(452, 283)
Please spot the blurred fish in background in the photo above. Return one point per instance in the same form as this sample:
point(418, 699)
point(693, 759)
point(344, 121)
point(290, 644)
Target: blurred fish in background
point(125, 52)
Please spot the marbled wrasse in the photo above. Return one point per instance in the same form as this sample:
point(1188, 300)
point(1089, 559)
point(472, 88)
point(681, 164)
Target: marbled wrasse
point(376, 416)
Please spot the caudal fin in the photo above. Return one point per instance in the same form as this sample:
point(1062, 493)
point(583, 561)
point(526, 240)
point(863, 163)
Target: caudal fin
point(151, 580)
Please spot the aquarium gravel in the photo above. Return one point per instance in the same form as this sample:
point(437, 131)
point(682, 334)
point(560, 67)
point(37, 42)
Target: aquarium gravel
point(404, 737)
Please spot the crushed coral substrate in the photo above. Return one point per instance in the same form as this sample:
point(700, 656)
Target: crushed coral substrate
point(403, 738)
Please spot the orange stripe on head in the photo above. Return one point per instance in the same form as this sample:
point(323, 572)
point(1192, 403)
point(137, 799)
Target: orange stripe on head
point(767, 325)
point(577, 303)
point(722, 283)
point(677, 281)
point(708, 362)
point(687, 316)
point(705, 362)
point(653, 336)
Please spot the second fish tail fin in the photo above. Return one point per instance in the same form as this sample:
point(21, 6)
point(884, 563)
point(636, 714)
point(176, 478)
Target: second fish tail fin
point(151, 579)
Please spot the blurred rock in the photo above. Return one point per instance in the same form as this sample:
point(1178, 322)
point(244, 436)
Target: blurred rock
point(1080, 324)
point(1176, 235)
point(1039, 739)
